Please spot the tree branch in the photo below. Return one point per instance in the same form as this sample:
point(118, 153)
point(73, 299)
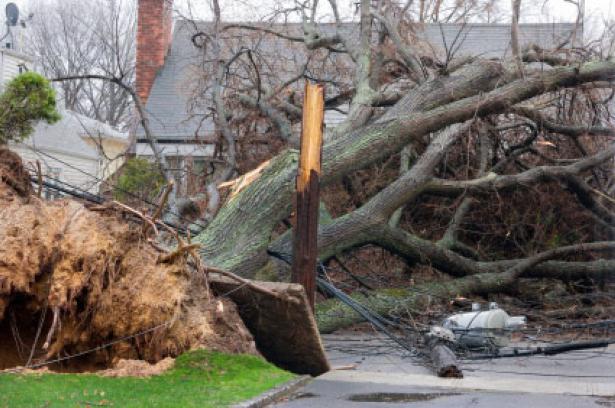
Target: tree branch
point(408, 56)
point(514, 35)
point(333, 315)
point(280, 121)
point(574, 131)
point(493, 181)
point(158, 156)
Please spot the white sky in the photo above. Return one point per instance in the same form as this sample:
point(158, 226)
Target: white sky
point(533, 10)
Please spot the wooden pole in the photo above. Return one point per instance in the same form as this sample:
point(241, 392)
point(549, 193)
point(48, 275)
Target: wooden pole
point(443, 359)
point(305, 246)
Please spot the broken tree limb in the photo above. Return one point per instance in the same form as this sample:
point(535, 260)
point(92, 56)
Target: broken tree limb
point(139, 214)
point(241, 182)
point(305, 246)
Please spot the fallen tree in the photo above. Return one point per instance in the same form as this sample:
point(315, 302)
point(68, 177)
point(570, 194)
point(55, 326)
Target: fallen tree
point(442, 112)
point(239, 242)
point(479, 128)
point(333, 315)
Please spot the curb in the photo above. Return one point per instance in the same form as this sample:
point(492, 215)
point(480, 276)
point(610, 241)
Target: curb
point(275, 394)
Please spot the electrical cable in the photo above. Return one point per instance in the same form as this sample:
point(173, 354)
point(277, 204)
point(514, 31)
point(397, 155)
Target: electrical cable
point(547, 350)
point(379, 322)
point(77, 192)
point(115, 187)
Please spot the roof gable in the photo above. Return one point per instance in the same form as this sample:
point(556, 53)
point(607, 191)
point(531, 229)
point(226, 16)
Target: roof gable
point(170, 106)
point(69, 133)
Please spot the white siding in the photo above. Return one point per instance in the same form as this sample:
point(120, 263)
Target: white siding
point(9, 65)
point(72, 171)
point(63, 147)
point(177, 149)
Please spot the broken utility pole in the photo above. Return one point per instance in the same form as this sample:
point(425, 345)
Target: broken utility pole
point(305, 248)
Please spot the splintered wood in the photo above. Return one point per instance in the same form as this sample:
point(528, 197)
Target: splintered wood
point(305, 246)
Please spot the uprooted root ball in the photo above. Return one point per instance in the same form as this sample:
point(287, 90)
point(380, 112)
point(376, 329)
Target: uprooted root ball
point(72, 280)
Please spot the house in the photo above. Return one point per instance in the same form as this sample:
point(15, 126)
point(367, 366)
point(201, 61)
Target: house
point(170, 71)
point(77, 152)
point(13, 63)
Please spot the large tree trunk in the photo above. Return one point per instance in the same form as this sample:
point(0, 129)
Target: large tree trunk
point(239, 236)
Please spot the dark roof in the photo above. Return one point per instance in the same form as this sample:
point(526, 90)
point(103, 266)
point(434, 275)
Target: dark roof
point(168, 105)
point(493, 40)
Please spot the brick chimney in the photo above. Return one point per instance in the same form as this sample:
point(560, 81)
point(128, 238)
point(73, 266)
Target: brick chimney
point(155, 22)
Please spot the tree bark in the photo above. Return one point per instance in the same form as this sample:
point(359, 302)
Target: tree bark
point(333, 315)
point(237, 239)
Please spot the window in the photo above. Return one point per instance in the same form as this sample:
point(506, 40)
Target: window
point(53, 177)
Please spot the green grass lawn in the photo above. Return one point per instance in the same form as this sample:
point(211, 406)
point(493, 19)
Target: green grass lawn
point(199, 379)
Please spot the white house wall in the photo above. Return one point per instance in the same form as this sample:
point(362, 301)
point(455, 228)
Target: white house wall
point(9, 66)
point(76, 173)
point(177, 149)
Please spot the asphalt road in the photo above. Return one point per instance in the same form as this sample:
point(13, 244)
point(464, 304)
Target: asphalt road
point(383, 376)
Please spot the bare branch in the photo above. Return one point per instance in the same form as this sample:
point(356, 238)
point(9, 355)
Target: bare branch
point(158, 156)
point(277, 117)
point(574, 131)
point(514, 28)
point(493, 181)
point(404, 50)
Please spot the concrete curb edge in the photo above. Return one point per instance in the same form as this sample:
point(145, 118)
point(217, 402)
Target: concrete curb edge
point(274, 394)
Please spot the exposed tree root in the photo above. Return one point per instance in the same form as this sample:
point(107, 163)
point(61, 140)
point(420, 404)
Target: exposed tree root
point(54, 325)
point(89, 278)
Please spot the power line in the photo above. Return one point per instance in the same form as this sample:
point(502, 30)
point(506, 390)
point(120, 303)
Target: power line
point(379, 322)
point(80, 193)
point(114, 187)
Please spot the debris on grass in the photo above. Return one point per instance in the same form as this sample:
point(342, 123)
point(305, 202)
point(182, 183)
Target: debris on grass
point(138, 368)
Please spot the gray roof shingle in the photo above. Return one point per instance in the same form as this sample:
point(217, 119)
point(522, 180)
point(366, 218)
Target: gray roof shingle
point(168, 106)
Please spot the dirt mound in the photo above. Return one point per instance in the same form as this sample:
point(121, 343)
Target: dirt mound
point(13, 173)
point(138, 368)
point(72, 280)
